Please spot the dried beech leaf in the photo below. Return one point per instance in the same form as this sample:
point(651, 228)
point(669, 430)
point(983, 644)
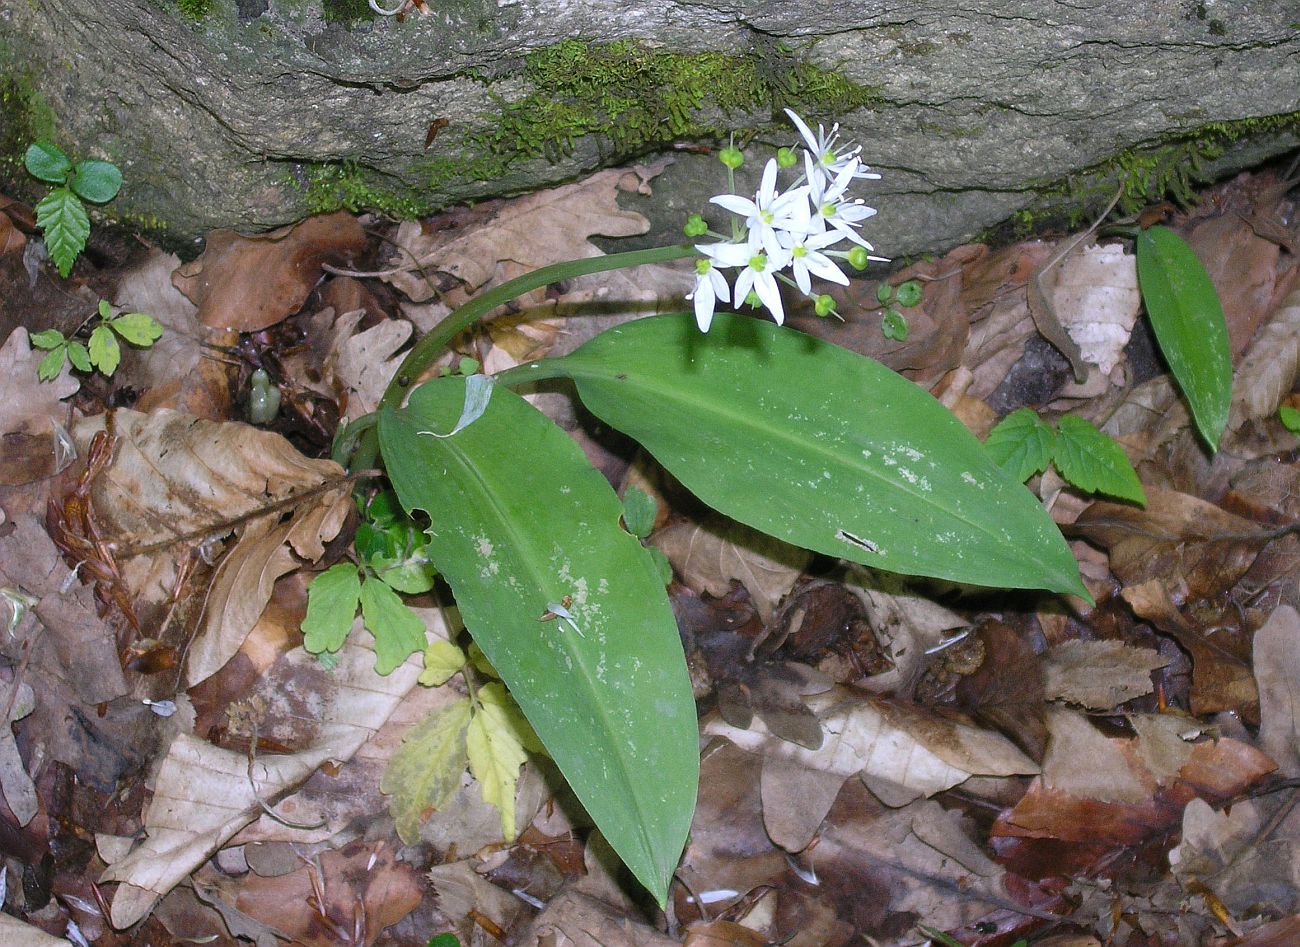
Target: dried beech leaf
point(27, 405)
point(709, 556)
point(248, 283)
point(203, 794)
point(1099, 675)
point(1277, 672)
point(1270, 366)
point(900, 753)
point(363, 363)
point(1096, 299)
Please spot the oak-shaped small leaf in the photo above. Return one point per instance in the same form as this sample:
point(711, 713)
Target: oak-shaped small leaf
point(105, 353)
point(62, 218)
point(332, 600)
point(1092, 461)
point(424, 772)
point(138, 328)
point(498, 742)
point(398, 631)
point(1021, 444)
point(442, 660)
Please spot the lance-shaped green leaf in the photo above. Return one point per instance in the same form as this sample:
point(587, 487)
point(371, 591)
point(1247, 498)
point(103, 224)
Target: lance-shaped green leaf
point(820, 447)
point(521, 522)
point(1189, 325)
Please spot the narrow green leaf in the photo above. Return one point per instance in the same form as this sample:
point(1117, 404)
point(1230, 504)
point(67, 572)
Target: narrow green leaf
point(96, 181)
point(398, 631)
point(52, 363)
point(49, 339)
point(105, 353)
point(62, 218)
point(639, 509)
point(1021, 444)
point(425, 771)
point(1092, 461)
point(47, 162)
point(79, 356)
point(521, 521)
point(138, 328)
point(1189, 326)
point(332, 599)
point(822, 448)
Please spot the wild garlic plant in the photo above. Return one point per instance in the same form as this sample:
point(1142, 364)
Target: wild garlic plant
point(789, 434)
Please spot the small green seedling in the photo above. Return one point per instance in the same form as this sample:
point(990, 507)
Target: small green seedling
point(102, 352)
point(893, 324)
point(1290, 418)
point(1022, 444)
point(639, 511)
point(61, 215)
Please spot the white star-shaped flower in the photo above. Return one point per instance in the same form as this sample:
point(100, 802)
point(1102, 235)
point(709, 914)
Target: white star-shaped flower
point(770, 211)
point(807, 261)
point(821, 147)
point(710, 286)
point(830, 207)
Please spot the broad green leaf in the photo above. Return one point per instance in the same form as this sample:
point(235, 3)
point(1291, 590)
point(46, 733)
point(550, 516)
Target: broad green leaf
point(96, 181)
point(1021, 444)
point(821, 448)
point(639, 509)
point(79, 356)
point(138, 328)
point(52, 363)
point(332, 599)
point(495, 742)
point(442, 660)
point(1288, 415)
point(425, 771)
point(398, 631)
point(50, 338)
point(47, 162)
point(520, 520)
point(1092, 461)
point(105, 353)
point(1189, 325)
point(909, 293)
point(444, 940)
point(62, 218)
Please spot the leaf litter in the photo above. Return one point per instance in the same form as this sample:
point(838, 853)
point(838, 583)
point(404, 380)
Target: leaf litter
point(879, 754)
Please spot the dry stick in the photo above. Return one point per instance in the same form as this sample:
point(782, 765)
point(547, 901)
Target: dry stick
point(1043, 312)
point(252, 783)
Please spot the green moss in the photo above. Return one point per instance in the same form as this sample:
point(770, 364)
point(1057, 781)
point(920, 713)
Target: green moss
point(194, 10)
point(346, 12)
point(25, 117)
point(345, 185)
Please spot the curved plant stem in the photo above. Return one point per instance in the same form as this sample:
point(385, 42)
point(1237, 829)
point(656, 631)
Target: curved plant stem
point(432, 345)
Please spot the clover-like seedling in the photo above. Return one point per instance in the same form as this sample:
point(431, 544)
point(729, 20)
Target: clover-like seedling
point(893, 324)
point(61, 215)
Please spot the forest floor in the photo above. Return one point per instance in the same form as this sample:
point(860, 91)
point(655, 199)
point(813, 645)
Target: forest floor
point(178, 770)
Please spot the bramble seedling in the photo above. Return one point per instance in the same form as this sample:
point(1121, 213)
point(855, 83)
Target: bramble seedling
point(101, 352)
point(61, 215)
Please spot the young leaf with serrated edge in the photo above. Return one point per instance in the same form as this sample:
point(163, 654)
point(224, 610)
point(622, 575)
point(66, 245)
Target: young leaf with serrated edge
point(52, 363)
point(49, 339)
point(639, 510)
point(47, 162)
point(105, 353)
point(332, 600)
point(63, 220)
point(138, 328)
point(496, 745)
point(1187, 318)
point(1021, 444)
point(1092, 461)
point(398, 631)
point(79, 356)
point(425, 771)
point(442, 660)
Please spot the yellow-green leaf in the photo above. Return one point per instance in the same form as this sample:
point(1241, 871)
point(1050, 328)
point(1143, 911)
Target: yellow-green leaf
point(52, 364)
point(105, 353)
point(138, 328)
point(426, 770)
point(442, 659)
point(496, 751)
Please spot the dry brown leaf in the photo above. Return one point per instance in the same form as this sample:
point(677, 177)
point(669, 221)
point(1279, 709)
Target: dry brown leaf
point(247, 283)
point(176, 480)
point(16, 933)
point(1096, 300)
point(1268, 370)
point(1243, 268)
point(203, 794)
point(796, 799)
point(708, 556)
point(28, 405)
point(12, 240)
point(1277, 672)
point(900, 753)
point(363, 363)
point(1099, 675)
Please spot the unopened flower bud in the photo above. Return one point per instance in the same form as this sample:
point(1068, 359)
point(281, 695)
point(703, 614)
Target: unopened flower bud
point(786, 158)
point(824, 305)
point(858, 257)
point(695, 226)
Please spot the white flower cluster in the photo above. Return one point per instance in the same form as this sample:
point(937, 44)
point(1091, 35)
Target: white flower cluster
point(794, 228)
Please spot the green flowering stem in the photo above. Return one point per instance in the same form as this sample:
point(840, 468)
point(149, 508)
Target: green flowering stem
point(432, 345)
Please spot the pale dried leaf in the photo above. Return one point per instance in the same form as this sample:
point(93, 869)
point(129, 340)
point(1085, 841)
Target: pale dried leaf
point(1164, 743)
point(363, 363)
point(1097, 301)
point(708, 556)
point(1277, 671)
point(900, 753)
point(16, 933)
point(1099, 675)
point(796, 799)
point(1083, 762)
point(28, 405)
point(203, 794)
point(1270, 366)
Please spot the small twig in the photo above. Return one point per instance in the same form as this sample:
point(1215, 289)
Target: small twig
point(252, 782)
